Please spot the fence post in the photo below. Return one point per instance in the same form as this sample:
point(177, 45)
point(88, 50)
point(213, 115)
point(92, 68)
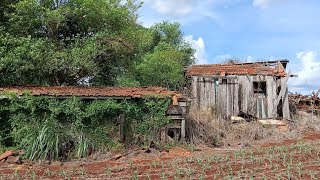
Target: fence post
point(121, 128)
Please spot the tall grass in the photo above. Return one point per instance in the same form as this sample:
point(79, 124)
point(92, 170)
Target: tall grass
point(204, 127)
point(43, 142)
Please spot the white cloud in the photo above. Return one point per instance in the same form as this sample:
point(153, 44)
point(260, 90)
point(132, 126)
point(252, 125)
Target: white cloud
point(264, 3)
point(199, 46)
point(182, 11)
point(222, 58)
point(175, 8)
point(308, 75)
point(249, 59)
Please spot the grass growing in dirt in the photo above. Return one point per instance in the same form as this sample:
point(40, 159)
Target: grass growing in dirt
point(297, 161)
point(300, 160)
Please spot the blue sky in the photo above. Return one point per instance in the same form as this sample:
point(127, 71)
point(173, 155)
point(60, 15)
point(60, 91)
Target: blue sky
point(248, 30)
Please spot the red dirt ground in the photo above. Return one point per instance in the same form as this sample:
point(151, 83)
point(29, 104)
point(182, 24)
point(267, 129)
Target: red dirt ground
point(289, 159)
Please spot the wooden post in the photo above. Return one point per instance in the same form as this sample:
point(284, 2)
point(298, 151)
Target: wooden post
point(183, 130)
point(281, 95)
point(163, 135)
point(285, 106)
point(121, 128)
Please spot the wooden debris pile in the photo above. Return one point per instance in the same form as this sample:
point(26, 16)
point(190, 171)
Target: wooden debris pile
point(306, 103)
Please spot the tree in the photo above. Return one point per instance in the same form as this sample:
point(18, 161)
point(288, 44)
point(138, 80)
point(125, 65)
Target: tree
point(169, 35)
point(169, 55)
point(66, 42)
point(161, 68)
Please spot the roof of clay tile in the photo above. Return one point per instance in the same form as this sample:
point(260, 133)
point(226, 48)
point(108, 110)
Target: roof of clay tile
point(235, 69)
point(81, 91)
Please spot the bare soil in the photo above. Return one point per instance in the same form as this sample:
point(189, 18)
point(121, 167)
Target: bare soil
point(288, 159)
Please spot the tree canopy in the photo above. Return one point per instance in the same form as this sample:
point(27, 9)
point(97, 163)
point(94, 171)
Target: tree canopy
point(96, 42)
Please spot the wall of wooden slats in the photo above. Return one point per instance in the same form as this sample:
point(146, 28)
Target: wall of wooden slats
point(234, 94)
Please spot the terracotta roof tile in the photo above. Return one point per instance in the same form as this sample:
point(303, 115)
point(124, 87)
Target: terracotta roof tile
point(81, 91)
point(235, 69)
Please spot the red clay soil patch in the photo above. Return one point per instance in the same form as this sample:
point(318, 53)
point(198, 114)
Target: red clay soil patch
point(287, 160)
point(307, 137)
point(312, 136)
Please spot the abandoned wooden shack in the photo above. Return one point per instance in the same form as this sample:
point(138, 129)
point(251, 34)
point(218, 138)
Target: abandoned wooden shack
point(176, 111)
point(257, 89)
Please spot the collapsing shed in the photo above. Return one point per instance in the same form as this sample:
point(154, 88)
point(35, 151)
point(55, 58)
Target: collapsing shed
point(256, 89)
point(176, 110)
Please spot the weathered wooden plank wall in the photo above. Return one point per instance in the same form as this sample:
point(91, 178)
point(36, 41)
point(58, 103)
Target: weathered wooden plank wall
point(246, 94)
point(230, 96)
point(271, 93)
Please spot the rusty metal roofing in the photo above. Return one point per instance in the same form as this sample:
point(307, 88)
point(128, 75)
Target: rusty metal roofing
point(235, 69)
point(82, 91)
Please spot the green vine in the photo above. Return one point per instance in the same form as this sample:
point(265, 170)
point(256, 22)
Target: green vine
point(49, 128)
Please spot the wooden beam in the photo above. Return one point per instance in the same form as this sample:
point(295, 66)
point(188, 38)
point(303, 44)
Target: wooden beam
point(80, 97)
point(121, 128)
point(90, 97)
point(217, 77)
point(183, 130)
point(280, 96)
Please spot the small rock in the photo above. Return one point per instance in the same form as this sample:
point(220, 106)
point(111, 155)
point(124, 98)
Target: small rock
point(56, 163)
point(282, 128)
point(245, 146)
point(13, 160)
point(27, 163)
point(2, 161)
point(116, 157)
point(6, 154)
point(46, 162)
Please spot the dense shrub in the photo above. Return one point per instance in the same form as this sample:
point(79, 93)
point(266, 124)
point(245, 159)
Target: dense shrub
point(50, 128)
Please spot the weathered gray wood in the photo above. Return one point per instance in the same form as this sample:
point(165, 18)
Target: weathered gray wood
point(235, 95)
point(121, 128)
point(206, 94)
point(198, 93)
point(236, 98)
point(209, 89)
point(210, 94)
point(271, 94)
point(193, 103)
point(229, 96)
point(182, 103)
point(223, 100)
point(202, 94)
point(174, 125)
point(175, 117)
point(281, 95)
point(217, 77)
point(285, 105)
point(183, 130)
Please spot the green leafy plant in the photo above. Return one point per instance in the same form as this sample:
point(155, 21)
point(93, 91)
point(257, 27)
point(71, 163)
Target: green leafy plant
point(49, 128)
